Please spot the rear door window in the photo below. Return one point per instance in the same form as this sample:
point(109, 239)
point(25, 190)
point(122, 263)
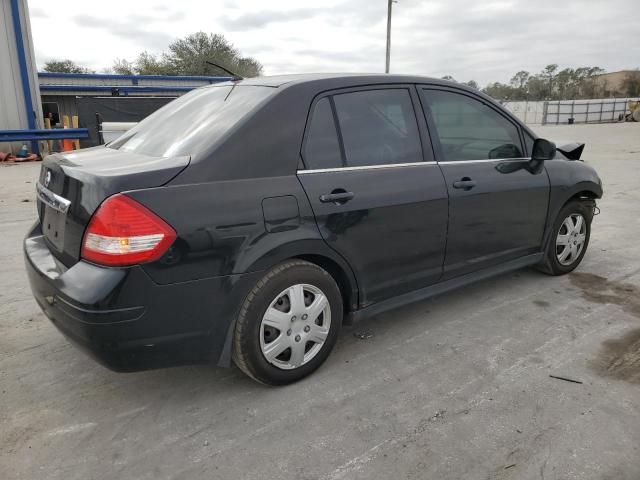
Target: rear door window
point(468, 129)
point(322, 149)
point(375, 127)
point(378, 127)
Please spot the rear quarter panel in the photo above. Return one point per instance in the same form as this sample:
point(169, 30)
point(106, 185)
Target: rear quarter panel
point(221, 228)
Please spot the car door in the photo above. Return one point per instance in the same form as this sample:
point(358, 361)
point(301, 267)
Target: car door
point(497, 207)
point(379, 199)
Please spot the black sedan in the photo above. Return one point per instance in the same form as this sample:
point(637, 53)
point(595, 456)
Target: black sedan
point(249, 220)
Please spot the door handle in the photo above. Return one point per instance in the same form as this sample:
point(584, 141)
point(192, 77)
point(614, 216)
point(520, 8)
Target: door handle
point(337, 196)
point(465, 183)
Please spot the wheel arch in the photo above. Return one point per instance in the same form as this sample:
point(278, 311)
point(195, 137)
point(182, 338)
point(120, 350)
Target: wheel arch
point(582, 191)
point(584, 194)
point(316, 252)
point(348, 290)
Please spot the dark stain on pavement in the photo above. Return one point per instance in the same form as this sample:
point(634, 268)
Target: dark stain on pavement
point(620, 358)
point(541, 303)
point(601, 290)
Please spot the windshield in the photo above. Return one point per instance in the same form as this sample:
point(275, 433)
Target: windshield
point(191, 123)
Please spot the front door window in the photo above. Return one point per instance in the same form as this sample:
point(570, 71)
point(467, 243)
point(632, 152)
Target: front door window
point(468, 129)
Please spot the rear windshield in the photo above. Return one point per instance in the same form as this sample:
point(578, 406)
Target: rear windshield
point(192, 123)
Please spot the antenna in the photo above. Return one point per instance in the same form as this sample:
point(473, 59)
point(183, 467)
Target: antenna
point(235, 77)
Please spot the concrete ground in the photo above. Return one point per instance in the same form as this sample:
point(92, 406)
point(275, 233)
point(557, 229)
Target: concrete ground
point(455, 387)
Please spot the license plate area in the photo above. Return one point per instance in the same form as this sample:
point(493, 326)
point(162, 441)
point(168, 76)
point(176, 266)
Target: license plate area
point(53, 226)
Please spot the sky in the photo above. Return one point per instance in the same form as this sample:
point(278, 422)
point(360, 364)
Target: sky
point(470, 40)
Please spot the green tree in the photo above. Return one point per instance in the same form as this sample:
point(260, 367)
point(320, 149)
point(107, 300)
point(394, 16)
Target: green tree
point(551, 84)
point(145, 64)
point(536, 88)
point(519, 85)
point(64, 66)
point(123, 67)
point(589, 86)
point(565, 84)
point(149, 64)
point(631, 84)
point(548, 73)
point(500, 91)
point(472, 84)
point(519, 80)
point(189, 56)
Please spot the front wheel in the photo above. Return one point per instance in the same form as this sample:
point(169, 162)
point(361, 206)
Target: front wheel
point(288, 323)
point(570, 238)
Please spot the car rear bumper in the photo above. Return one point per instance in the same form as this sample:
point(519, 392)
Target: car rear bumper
point(125, 320)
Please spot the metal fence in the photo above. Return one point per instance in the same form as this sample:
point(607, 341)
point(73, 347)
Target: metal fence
point(556, 112)
point(585, 111)
point(528, 112)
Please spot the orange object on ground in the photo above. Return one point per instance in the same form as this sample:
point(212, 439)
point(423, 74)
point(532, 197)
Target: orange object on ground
point(67, 143)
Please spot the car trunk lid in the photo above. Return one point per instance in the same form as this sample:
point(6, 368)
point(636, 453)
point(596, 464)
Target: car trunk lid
point(72, 185)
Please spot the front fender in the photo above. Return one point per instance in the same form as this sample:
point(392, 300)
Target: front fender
point(568, 180)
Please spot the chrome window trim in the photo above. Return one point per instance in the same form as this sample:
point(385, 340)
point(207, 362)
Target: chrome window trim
point(365, 167)
point(51, 199)
point(450, 162)
point(413, 164)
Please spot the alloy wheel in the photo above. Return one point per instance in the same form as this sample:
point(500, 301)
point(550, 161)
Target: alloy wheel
point(570, 239)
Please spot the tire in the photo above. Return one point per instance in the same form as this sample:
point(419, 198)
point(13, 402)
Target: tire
point(259, 338)
point(560, 258)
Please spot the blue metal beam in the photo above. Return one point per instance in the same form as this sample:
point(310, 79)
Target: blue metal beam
point(35, 134)
point(113, 76)
point(24, 71)
point(109, 88)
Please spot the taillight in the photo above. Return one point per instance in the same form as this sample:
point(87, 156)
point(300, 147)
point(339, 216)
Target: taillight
point(125, 232)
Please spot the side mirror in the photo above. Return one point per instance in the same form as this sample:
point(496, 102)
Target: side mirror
point(542, 150)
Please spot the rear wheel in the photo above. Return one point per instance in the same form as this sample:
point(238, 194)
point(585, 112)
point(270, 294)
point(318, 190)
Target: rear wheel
point(288, 323)
point(570, 238)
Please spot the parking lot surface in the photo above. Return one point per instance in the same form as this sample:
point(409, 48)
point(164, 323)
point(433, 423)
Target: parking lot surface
point(455, 387)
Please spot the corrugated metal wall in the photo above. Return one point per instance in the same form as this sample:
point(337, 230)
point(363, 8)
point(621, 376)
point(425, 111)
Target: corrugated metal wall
point(13, 115)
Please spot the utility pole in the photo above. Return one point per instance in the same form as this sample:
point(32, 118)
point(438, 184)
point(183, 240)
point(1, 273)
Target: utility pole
point(386, 69)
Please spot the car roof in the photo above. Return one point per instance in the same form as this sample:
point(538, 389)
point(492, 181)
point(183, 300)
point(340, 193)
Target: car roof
point(277, 81)
point(315, 83)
